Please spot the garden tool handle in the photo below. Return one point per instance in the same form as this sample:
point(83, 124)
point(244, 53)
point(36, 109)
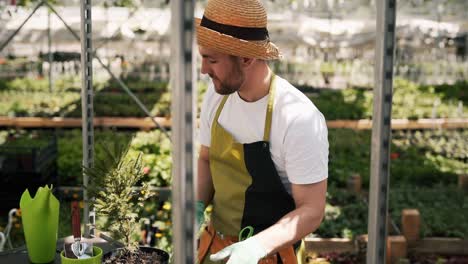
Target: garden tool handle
point(76, 227)
point(249, 230)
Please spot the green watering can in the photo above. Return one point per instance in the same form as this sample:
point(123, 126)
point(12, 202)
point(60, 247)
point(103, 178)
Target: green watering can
point(40, 216)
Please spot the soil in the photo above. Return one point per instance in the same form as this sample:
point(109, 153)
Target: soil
point(139, 257)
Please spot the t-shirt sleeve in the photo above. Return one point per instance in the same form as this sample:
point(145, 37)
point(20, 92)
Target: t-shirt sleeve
point(306, 148)
point(205, 117)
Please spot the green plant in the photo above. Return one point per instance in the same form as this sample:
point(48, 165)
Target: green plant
point(456, 91)
point(70, 152)
point(409, 100)
point(156, 148)
point(121, 3)
point(327, 68)
point(112, 184)
point(30, 2)
point(345, 215)
point(444, 210)
point(417, 158)
point(342, 104)
point(39, 104)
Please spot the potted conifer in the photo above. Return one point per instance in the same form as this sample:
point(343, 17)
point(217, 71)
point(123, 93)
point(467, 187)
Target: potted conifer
point(112, 182)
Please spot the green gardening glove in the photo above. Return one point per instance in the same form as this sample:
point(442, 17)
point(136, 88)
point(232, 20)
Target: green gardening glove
point(200, 214)
point(249, 251)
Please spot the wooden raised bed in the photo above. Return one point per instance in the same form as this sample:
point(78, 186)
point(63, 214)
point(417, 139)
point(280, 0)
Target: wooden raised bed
point(326, 245)
point(403, 123)
point(40, 122)
point(146, 123)
point(441, 245)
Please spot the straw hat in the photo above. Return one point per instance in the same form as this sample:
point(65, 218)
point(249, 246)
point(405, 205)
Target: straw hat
point(236, 27)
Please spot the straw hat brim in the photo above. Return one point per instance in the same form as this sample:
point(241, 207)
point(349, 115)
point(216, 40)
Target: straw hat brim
point(223, 43)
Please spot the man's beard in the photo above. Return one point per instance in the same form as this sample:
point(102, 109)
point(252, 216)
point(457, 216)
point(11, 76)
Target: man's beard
point(232, 83)
point(230, 87)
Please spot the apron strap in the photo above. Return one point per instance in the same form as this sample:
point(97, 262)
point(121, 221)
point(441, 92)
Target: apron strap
point(220, 107)
point(218, 113)
point(269, 113)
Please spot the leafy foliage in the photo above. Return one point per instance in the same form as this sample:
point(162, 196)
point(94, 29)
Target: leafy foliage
point(21, 139)
point(122, 3)
point(71, 151)
point(156, 149)
point(349, 153)
point(154, 145)
point(345, 215)
point(409, 101)
point(444, 210)
point(31, 2)
point(448, 143)
point(42, 104)
point(344, 104)
point(159, 216)
point(457, 91)
point(417, 158)
point(31, 97)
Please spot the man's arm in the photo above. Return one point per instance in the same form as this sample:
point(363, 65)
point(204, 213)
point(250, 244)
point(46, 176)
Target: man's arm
point(310, 205)
point(205, 189)
point(306, 159)
point(306, 218)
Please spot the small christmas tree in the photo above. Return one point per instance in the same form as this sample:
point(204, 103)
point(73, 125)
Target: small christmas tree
point(112, 182)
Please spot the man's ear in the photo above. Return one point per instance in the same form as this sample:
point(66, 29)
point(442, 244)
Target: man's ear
point(247, 62)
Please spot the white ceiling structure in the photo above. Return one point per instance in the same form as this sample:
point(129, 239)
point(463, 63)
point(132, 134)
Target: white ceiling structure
point(121, 26)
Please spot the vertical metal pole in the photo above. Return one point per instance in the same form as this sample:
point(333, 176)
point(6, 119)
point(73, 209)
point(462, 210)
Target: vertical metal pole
point(381, 132)
point(182, 83)
point(87, 107)
point(49, 46)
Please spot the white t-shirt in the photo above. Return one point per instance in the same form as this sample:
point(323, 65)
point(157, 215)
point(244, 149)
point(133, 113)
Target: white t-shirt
point(298, 139)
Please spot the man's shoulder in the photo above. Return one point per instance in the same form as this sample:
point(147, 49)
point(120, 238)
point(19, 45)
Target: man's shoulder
point(291, 100)
point(297, 115)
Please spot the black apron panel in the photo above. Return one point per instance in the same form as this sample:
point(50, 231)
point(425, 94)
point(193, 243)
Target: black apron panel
point(266, 199)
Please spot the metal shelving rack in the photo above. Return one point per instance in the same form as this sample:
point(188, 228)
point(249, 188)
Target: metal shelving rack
point(87, 106)
point(381, 132)
point(183, 109)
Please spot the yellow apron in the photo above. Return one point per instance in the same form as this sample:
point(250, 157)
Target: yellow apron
point(248, 189)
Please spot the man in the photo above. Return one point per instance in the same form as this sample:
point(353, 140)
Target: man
point(264, 148)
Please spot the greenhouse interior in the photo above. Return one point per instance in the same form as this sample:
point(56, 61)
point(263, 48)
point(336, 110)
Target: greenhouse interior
point(102, 129)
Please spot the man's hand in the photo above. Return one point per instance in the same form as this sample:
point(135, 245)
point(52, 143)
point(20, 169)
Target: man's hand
point(249, 251)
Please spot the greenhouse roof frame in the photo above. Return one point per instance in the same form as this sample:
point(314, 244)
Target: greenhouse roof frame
point(76, 37)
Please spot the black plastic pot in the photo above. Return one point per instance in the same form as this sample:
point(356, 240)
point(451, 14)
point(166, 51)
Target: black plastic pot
point(163, 254)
